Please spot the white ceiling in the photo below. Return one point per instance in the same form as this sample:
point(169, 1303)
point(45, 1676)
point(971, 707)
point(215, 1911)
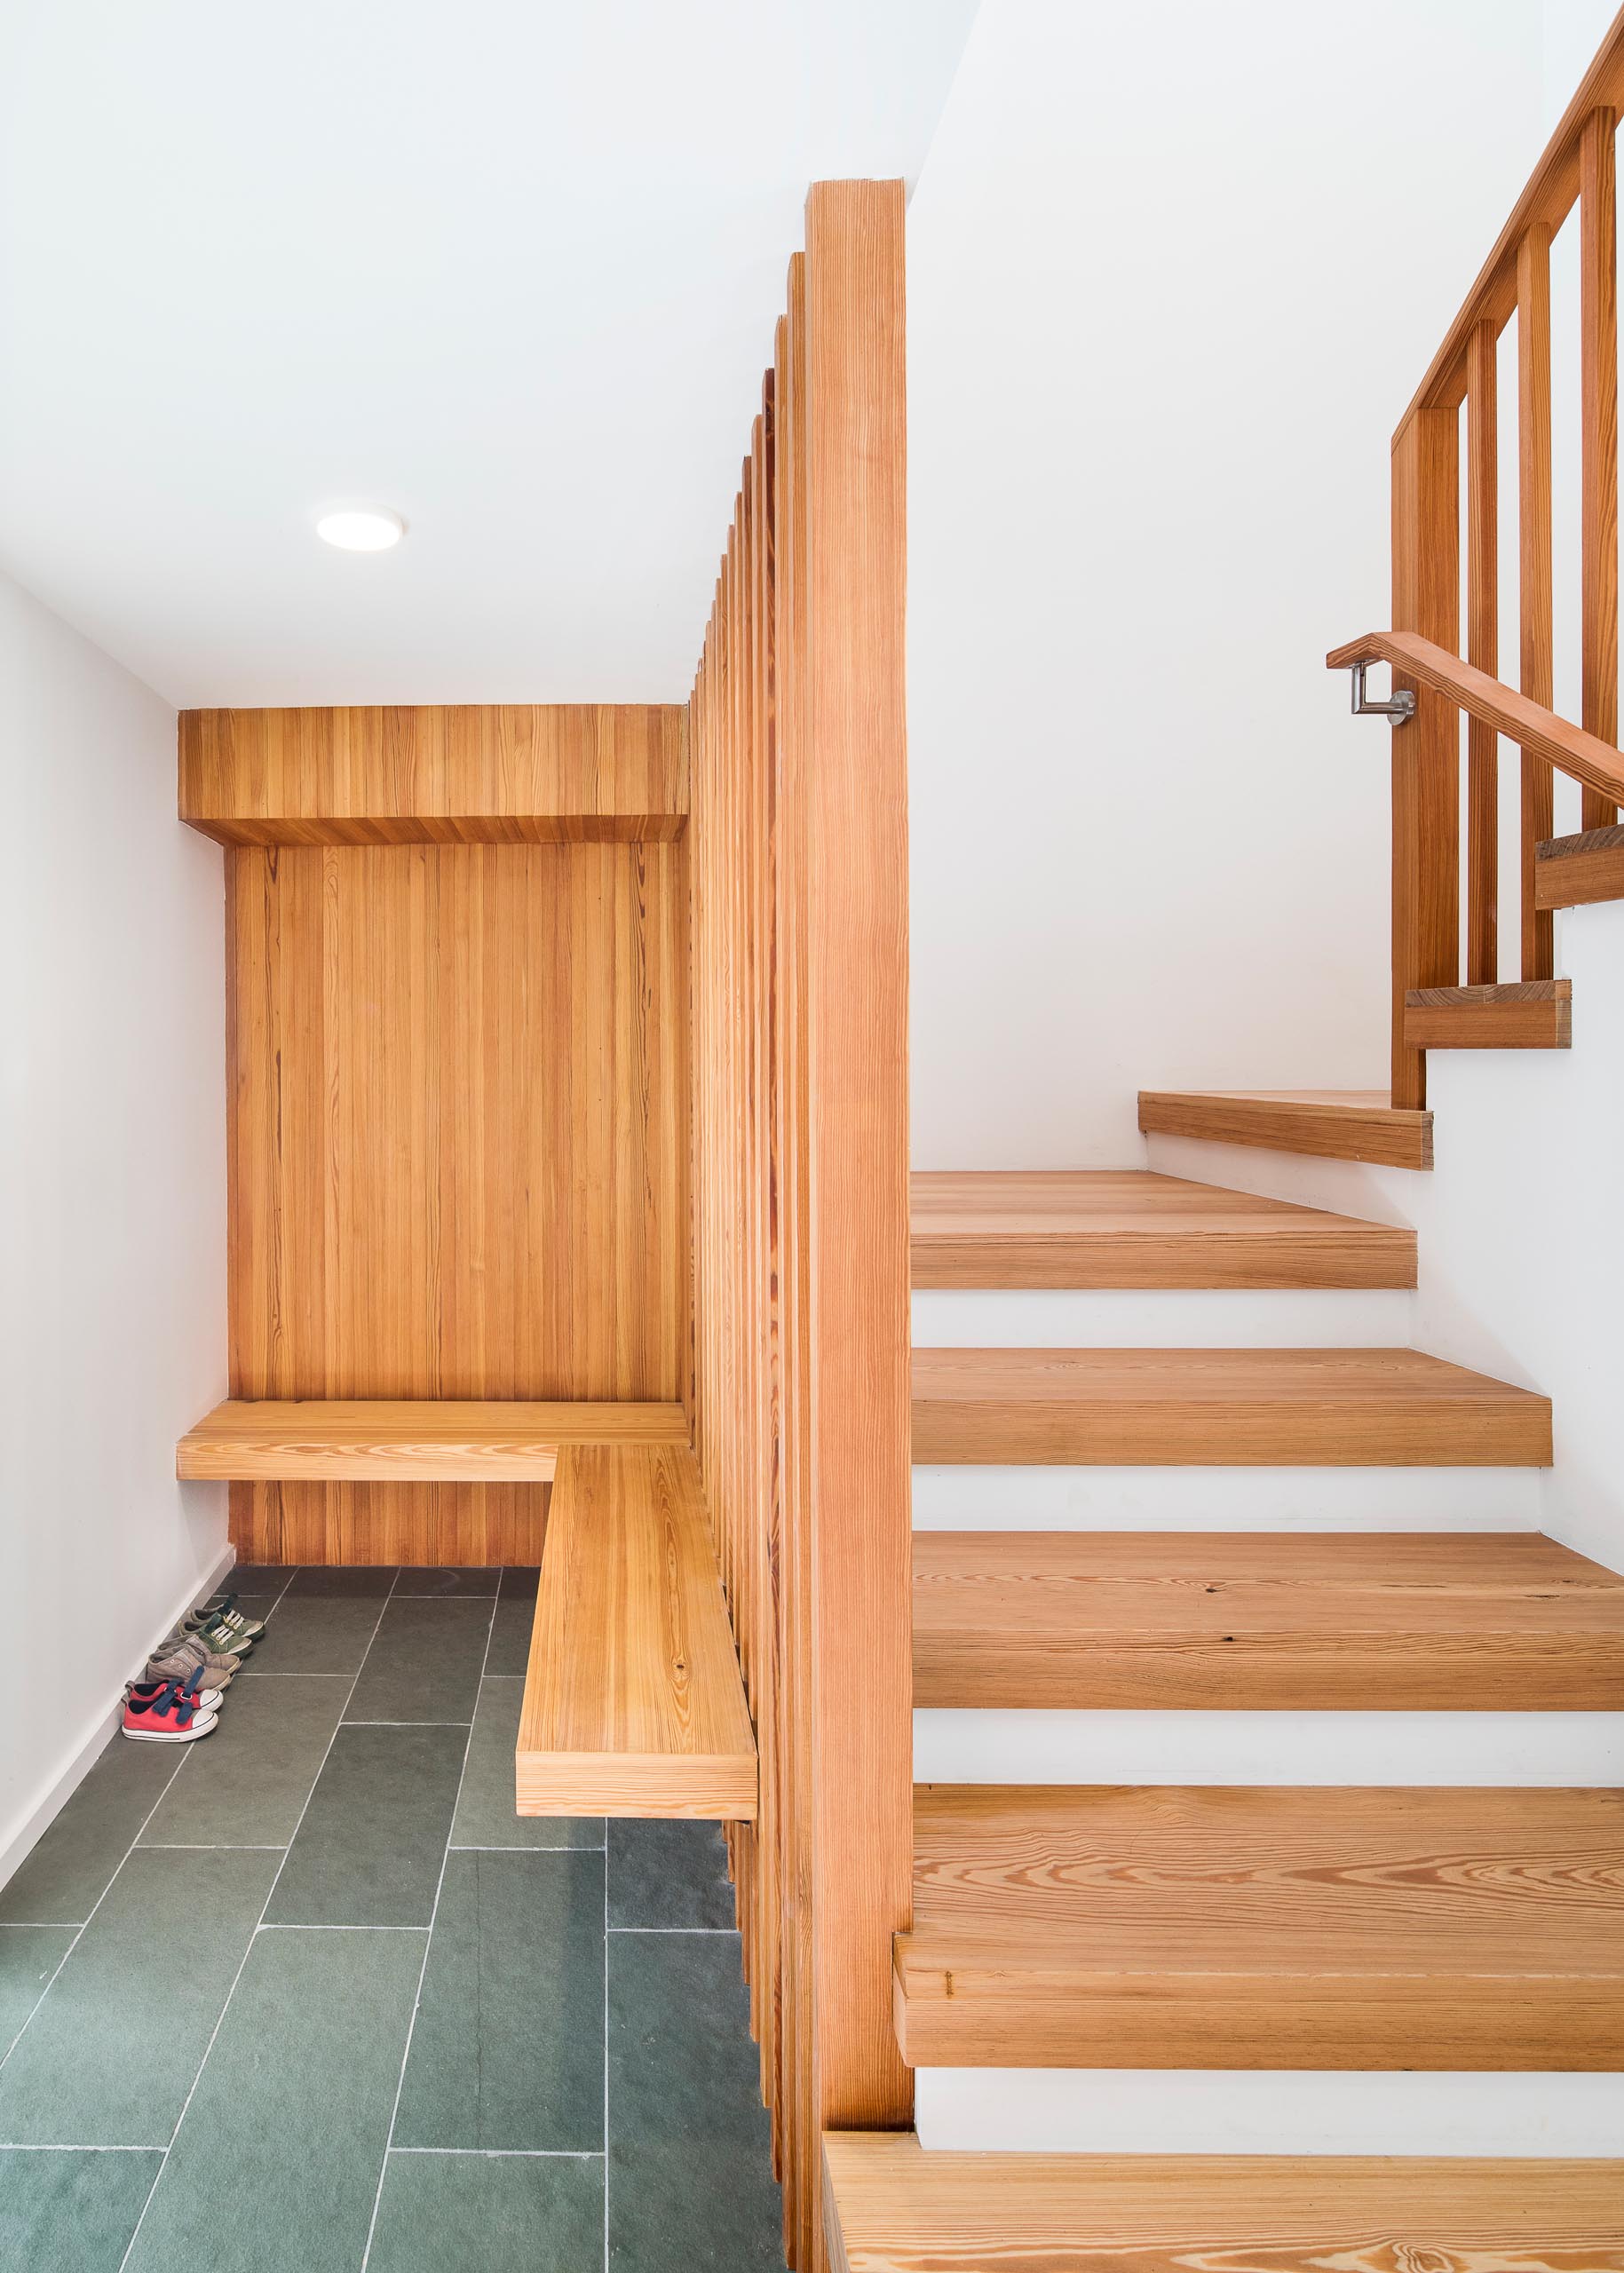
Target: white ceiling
point(510, 266)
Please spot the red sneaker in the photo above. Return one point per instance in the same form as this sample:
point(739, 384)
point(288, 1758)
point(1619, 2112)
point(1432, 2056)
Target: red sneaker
point(169, 1713)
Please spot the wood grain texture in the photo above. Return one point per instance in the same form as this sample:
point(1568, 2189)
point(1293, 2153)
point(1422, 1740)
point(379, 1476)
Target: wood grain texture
point(465, 773)
point(1526, 1014)
point(1571, 749)
point(800, 1180)
point(433, 1526)
point(1129, 1228)
point(895, 2207)
point(1544, 205)
point(1535, 586)
point(1578, 871)
point(457, 1125)
point(1426, 756)
point(1327, 1124)
point(1264, 1408)
point(1168, 1927)
point(406, 1441)
point(1598, 362)
point(1483, 648)
point(1305, 1622)
point(633, 1701)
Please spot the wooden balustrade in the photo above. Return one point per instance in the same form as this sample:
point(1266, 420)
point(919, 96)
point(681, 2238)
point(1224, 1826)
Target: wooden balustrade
point(800, 1388)
point(1431, 945)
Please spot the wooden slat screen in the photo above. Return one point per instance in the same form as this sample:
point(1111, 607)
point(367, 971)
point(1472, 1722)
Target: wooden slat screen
point(800, 1390)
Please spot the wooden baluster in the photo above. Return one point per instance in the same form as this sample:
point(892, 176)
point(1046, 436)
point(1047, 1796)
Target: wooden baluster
point(1534, 569)
point(1483, 648)
point(1427, 751)
point(1599, 458)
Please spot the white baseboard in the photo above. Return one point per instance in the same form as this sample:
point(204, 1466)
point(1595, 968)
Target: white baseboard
point(38, 1822)
point(1228, 2111)
point(963, 1498)
point(1503, 1750)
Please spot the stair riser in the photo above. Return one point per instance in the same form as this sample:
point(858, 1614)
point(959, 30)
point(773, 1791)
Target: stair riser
point(1134, 1320)
point(976, 2018)
point(1265, 2112)
point(1554, 1750)
point(1067, 1498)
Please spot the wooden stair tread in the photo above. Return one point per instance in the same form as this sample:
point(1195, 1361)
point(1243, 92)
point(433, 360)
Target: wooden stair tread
point(1522, 1014)
point(1300, 1621)
point(407, 1440)
point(634, 1703)
point(1333, 1124)
point(1579, 870)
point(894, 2207)
point(1113, 1228)
point(1277, 1927)
point(1226, 1407)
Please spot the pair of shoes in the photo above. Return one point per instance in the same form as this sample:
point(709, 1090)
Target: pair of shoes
point(171, 1712)
point(223, 1626)
point(184, 1654)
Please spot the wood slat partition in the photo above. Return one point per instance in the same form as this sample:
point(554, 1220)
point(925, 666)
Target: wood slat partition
point(800, 1390)
point(1579, 167)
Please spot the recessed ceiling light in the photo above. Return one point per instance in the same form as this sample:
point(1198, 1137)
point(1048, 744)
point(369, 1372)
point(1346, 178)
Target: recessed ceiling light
point(361, 528)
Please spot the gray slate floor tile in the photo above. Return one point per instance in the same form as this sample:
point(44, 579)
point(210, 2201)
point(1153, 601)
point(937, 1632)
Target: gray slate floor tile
point(690, 2164)
point(71, 2214)
point(514, 1622)
point(277, 2162)
point(246, 1785)
point(508, 2051)
point(318, 1634)
point(668, 1874)
point(483, 1581)
point(490, 2213)
point(369, 1850)
point(109, 2056)
point(425, 1665)
point(485, 1814)
point(362, 1581)
point(28, 1957)
point(71, 1868)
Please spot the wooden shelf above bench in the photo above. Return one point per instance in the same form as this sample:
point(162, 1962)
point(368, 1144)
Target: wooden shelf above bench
point(634, 1703)
point(419, 1441)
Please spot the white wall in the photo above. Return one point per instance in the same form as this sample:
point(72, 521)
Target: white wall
point(1174, 273)
point(112, 1197)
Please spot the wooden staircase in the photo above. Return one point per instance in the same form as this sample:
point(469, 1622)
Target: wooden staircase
point(1173, 1926)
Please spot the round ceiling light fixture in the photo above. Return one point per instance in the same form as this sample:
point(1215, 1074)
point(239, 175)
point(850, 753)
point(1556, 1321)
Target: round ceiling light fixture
point(360, 528)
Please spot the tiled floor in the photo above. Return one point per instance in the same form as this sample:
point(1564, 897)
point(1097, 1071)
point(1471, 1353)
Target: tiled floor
point(308, 1995)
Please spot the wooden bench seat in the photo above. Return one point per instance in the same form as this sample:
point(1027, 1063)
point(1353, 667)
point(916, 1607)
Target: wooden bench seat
point(634, 1704)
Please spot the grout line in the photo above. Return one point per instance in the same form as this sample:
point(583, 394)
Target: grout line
point(476, 1847)
point(406, 1724)
point(605, 2046)
point(663, 1929)
point(253, 1937)
point(507, 2154)
point(34, 2147)
point(295, 1926)
point(212, 1846)
point(428, 1945)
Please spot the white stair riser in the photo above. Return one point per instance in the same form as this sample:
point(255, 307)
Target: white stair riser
point(1287, 1318)
point(1228, 2111)
point(1553, 1750)
point(966, 1498)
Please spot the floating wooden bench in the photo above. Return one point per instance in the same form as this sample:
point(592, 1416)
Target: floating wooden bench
point(634, 1704)
point(415, 1441)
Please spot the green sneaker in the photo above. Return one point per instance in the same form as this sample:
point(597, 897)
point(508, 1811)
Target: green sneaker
point(225, 1614)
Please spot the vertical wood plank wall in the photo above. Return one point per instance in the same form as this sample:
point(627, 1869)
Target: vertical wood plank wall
point(457, 1114)
point(800, 1393)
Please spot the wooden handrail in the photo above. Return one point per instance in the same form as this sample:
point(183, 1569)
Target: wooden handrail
point(1540, 731)
point(1546, 202)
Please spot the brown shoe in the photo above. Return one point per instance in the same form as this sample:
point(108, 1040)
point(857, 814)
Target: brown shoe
point(176, 1660)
